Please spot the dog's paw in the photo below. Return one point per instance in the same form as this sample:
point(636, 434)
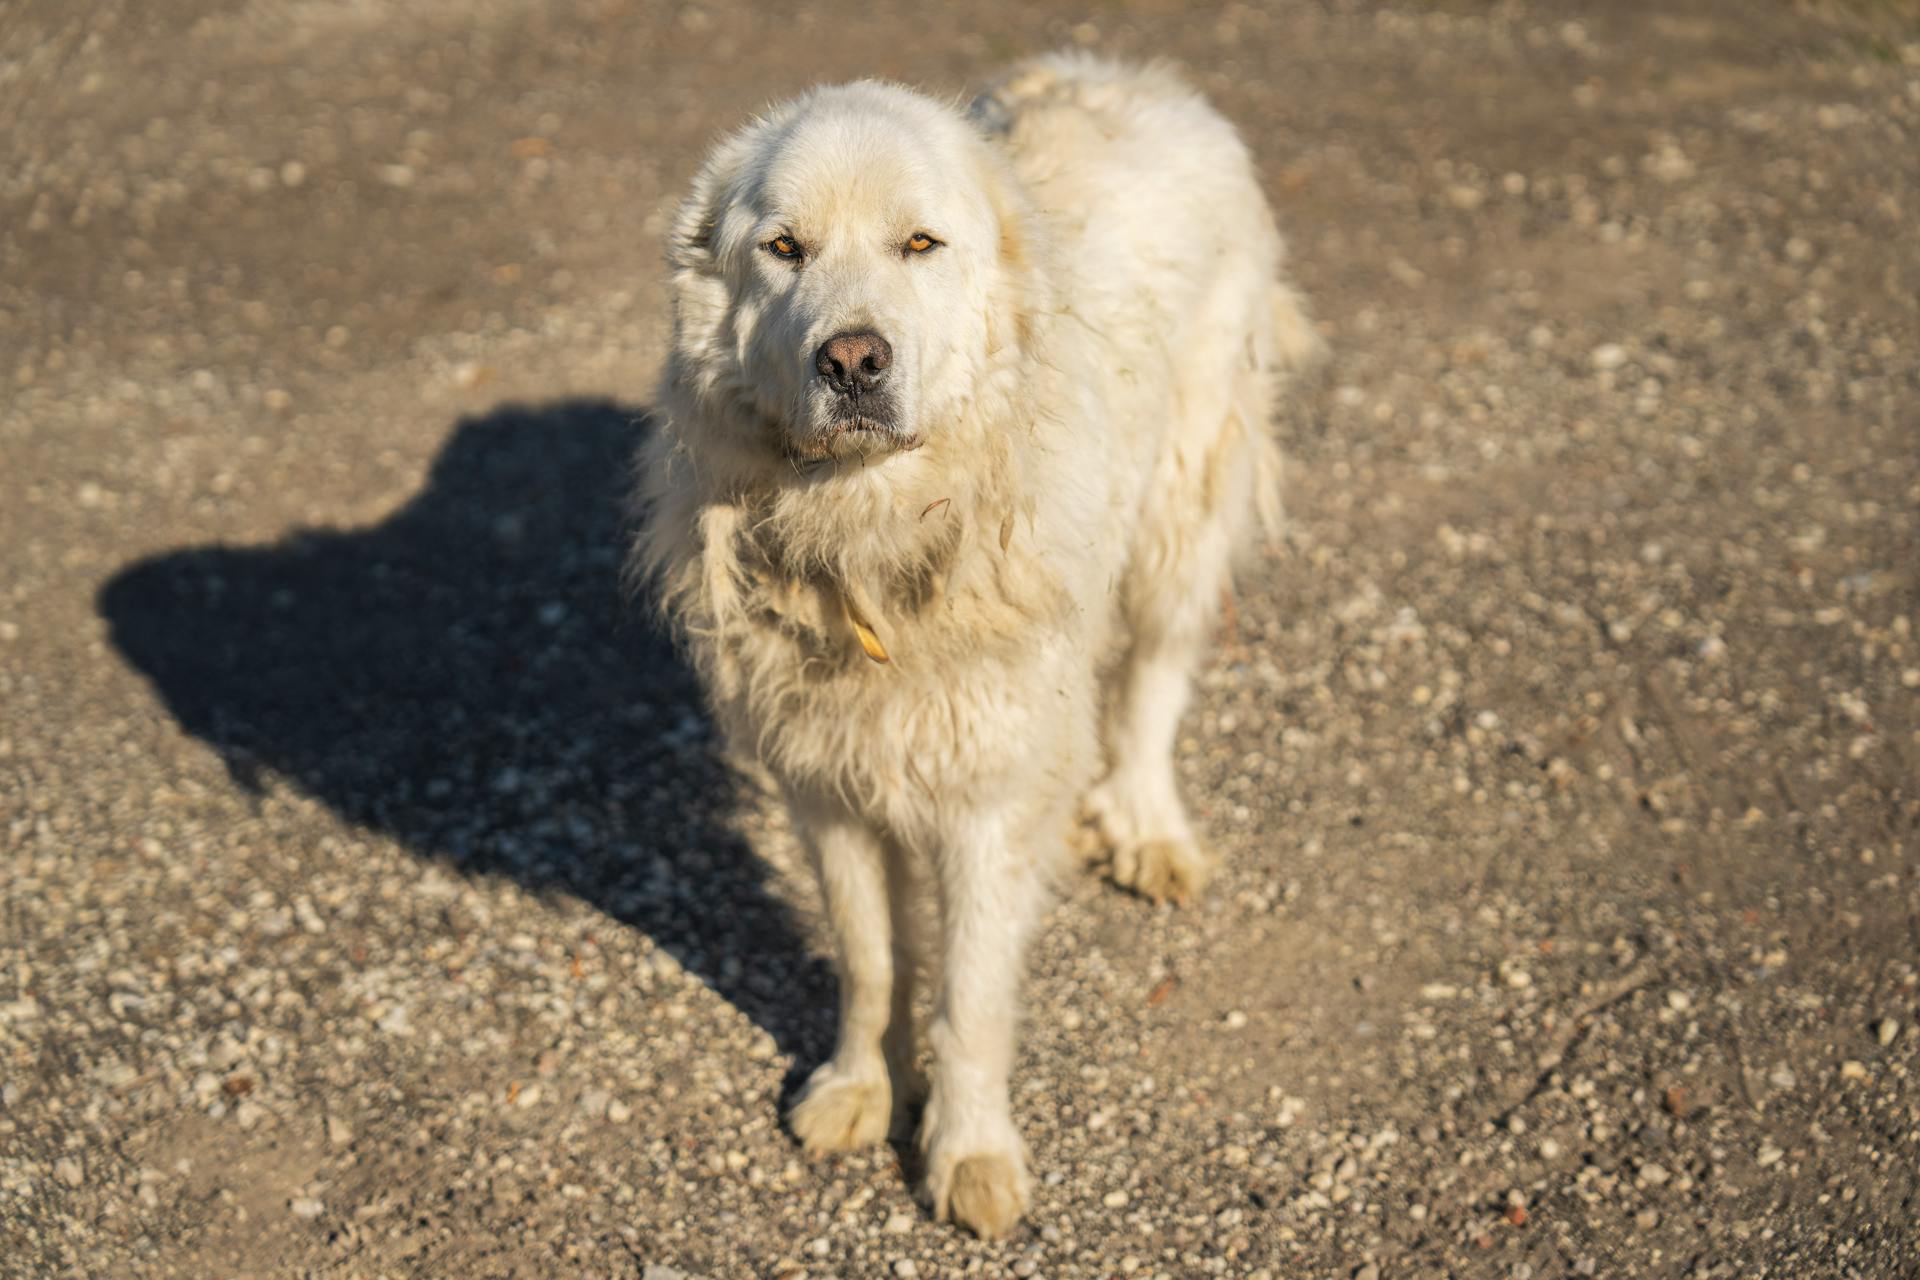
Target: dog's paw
point(985, 1192)
point(842, 1111)
point(1166, 870)
point(1148, 849)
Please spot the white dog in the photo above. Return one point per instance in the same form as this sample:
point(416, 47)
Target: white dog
point(964, 421)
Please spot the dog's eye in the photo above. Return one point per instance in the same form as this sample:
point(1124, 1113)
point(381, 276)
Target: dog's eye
point(783, 247)
point(921, 242)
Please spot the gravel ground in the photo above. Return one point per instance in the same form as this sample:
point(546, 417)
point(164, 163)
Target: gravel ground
point(376, 902)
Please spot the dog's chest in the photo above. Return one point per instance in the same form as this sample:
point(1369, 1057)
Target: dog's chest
point(822, 676)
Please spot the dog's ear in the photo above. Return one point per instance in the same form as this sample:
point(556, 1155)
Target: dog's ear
point(699, 288)
point(690, 242)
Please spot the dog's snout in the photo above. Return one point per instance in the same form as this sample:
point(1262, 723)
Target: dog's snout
point(853, 362)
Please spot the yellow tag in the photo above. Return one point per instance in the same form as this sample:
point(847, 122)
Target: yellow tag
point(868, 640)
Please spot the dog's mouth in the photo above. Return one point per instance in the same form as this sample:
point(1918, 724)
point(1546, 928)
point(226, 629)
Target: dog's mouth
point(852, 434)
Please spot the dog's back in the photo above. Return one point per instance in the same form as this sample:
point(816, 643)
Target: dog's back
point(1166, 249)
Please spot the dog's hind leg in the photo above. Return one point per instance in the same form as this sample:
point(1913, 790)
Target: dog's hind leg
point(849, 1100)
point(1137, 806)
point(1219, 473)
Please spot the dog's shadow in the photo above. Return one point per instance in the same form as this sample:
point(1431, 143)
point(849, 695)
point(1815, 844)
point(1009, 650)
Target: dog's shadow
point(468, 677)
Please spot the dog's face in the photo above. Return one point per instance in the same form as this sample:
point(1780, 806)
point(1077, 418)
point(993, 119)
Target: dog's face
point(837, 265)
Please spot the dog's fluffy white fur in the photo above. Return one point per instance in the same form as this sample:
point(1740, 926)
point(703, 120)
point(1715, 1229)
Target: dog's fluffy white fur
point(949, 625)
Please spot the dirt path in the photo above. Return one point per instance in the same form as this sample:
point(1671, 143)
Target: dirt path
point(375, 902)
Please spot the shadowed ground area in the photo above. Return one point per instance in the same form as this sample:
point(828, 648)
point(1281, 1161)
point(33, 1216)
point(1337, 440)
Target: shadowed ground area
point(373, 900)
point(468, 678)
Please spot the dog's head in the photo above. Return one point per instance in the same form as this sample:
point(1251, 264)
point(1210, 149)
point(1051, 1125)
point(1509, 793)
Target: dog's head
point(845, 273)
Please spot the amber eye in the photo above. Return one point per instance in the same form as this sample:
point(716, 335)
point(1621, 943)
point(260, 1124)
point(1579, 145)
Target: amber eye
point(921, 242)
point(783, 247)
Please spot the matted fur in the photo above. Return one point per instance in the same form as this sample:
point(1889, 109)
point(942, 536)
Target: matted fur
point(1083, 374)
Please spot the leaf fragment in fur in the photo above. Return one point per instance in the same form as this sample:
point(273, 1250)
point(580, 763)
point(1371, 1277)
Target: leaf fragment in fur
point(869, 641)
point(863, 630)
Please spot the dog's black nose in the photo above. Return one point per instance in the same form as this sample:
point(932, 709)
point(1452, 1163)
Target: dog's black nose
point(853, 363)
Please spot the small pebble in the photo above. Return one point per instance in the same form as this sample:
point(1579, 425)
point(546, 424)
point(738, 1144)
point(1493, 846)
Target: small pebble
point(1609, 355)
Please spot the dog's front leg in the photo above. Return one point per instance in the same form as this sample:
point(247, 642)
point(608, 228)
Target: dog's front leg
point(849, 1100)
point(990, 894)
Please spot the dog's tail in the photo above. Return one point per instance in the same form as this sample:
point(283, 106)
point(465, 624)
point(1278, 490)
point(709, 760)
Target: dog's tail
point(1294, 348)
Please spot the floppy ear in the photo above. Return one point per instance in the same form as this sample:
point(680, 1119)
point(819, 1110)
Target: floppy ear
point(690, 241)
point(700, 293)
